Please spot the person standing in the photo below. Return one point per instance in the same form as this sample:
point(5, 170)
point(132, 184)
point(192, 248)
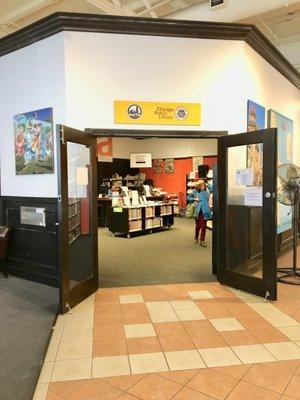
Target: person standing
point(202, 211)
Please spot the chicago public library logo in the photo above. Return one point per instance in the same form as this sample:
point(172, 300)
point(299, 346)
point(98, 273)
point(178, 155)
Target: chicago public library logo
point(134, 111)
point(181, 113)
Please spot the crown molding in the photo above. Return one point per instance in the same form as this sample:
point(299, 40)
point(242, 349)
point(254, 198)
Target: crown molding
point(78, 22)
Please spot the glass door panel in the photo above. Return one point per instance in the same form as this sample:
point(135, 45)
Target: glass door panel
point(247, 212)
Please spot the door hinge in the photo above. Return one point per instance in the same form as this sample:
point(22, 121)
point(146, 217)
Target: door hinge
point(266, 296)
point(62, 135)
point(69, 308)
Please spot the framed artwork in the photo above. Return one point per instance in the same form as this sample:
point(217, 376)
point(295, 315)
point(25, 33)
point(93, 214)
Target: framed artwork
point(33, 138)
point(158, 166)
point(255, 121)
point(285, 128)
point(169, 165)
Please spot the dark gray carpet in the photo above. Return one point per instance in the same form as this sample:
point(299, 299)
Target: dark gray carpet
point(27, 312)
point(168, 256)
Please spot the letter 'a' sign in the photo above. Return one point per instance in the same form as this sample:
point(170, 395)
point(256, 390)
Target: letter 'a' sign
point(156, 113)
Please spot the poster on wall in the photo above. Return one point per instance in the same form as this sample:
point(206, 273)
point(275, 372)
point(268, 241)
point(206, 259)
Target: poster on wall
point(169, 166)
point(33, 138)
point(105, 149)
point(284, 127)
point(158, 166)
point(255, 121)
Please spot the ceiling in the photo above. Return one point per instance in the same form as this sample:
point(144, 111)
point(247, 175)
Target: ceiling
point(281, 24)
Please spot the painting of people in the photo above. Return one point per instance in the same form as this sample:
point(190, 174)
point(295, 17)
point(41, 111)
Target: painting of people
point(33, 138)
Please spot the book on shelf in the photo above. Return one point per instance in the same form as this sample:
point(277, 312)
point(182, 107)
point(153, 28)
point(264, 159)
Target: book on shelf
point(135, 225)
point(134, 213)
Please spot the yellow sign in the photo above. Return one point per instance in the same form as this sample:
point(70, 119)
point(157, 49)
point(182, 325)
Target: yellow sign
point(157, 113)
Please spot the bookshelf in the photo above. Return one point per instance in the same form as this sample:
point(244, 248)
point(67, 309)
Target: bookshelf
point(74, 219)
point(143, 218)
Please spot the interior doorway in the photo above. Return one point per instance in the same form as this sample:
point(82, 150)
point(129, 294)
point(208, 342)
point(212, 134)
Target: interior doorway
point(144, 237)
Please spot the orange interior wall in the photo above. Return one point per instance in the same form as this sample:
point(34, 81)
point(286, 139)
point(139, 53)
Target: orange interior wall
point(175, 182)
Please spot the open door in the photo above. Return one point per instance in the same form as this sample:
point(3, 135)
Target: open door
point(77, 209)
point(247, 212)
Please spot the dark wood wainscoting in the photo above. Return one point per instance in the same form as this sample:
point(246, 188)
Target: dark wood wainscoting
point(32, 251)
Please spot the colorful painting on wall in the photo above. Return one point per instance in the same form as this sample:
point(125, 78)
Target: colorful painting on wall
point(284, 127)
point(169, 165)
point(255, 121)
point(33, 134)
point(158, 166)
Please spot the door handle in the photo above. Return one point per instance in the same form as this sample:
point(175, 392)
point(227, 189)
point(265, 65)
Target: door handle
point(267, 195)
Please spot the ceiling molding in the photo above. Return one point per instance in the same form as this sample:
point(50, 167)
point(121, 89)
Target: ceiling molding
point(62, 21)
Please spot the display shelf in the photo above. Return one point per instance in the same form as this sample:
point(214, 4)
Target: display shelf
point(74, 219)
point(121, 223)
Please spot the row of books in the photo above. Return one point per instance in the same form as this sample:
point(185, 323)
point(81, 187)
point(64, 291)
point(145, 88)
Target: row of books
point(149, 212)
point(166, 209)
point(135, 213)
point(73, 222)
point(155, 222)
point(135, 225)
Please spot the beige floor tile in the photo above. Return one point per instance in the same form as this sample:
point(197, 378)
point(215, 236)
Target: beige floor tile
point(226, 324)
point(68, 370)
point(284, 350)
point(190, 315)
point(52, 352)
point(75, 320)
point(292, 332)
point(139, 330)
point(46, 372)
point(297, 343)
point(163, 316)
point(179, 305)
point(131, 298)
point(72, 350)
point(147, 363)
point(159, 306)
point(182, 360)
point(41, 391)
point(200, 294)
point(252, 354)
point(83, 308)
point(57, 334)
point(110, 366)
point(280, 320)
point(80, 333)
point(219, 357)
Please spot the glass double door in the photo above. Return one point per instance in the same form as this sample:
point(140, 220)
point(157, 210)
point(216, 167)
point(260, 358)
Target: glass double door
point(247, 252)
point(77, 205)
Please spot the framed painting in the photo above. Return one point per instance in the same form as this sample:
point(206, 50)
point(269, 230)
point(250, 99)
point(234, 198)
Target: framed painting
point(33, 139)
point(255, 121)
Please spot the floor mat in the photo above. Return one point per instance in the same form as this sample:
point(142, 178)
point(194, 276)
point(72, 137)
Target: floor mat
point(27, 312)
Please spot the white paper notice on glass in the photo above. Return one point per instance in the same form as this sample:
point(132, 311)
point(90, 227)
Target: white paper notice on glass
point(244, 177)
point(82, 176)
point(253, 196)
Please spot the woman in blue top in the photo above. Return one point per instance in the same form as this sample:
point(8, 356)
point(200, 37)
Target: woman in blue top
point(202, 211)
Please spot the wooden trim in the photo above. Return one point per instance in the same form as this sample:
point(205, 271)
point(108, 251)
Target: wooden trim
point(153, 133)
point(78, 22)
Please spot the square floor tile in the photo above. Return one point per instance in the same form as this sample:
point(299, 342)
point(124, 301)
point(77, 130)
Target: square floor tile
point(173, 342)
point(147, 363)
point(246, 391)
point(112, 347)
point(68, 370)
point(293, 389)
point(292, 332)
point(159, 306)
point(110, 366)
point(213, 383)
point(280, 320)
point(284, 350)
point(254, 353)
point(143, 345)
point(227, 324)
point(190, 315)
point(131, 298)
point(163, 316)
point(200, 294)
point(78, 349)
point(154, 387)
point(238, 338)
point(52, 351)
point(179, 305)
point(219, 357)
point(186, 359)
point(82, 333)
point(139, 330)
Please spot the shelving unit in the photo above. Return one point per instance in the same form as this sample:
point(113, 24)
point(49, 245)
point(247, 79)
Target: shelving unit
point(74, 219)
point(148, 218)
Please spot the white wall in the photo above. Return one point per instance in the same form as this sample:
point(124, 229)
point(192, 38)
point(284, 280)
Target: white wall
point(30, 78)
point(164, 148)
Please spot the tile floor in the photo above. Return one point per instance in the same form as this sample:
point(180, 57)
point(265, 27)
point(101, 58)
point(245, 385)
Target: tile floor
point(179, 342)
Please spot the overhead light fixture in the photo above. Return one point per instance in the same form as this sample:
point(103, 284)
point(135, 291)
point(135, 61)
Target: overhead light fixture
point(216, 3)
